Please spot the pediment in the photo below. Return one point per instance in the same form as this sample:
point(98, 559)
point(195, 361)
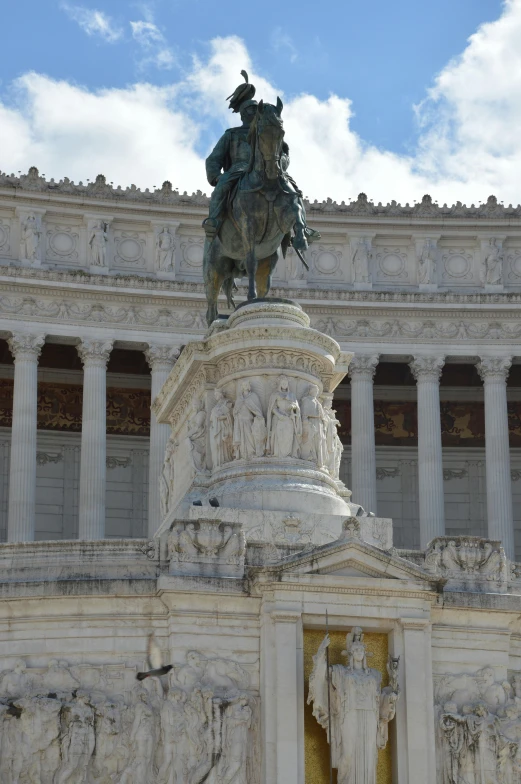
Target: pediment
point(352, 558)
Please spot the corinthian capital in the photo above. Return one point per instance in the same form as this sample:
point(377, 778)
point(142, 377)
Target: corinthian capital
point(363, 366)
point(95, 352)
point(25, 346)
point(161, 357)
point(427, 368)
point(495, 369)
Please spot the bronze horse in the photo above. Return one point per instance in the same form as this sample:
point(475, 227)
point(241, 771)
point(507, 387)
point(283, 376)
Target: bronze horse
point(259, 218)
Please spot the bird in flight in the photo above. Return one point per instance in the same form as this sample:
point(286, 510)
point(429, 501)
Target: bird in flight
point(155, 662)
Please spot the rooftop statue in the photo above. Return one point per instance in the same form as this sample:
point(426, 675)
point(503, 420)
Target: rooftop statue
point(256, 207)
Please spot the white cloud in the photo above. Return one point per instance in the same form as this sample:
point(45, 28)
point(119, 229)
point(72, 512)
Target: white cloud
point(94, 22)
point(468, 144)
point(152, 41)
point(282, 41)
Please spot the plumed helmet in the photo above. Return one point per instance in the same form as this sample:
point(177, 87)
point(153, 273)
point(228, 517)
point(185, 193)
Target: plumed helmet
point(243, 95)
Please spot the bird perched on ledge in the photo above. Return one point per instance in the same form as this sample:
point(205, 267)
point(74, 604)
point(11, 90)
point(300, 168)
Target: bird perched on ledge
point(155, 662)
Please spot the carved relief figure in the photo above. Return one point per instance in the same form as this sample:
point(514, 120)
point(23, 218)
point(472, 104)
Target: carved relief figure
point(142, 742)
point(427, 262)
point(284, 422)
point(166, 480)
point(247, 408)
point(492, 273)
point(361, 261)
point(236, 726)
point(165, 246)
point(360, 710)
point(334, 446)
point(98, 244)
point(13, 683)
point(221, 430)
point(173, 738)
point(197, 435)
point(78, 741)
point(30, 239)
point(313, 428)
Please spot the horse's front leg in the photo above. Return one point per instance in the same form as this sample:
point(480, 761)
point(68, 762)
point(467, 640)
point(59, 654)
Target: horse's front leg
point(251, 269)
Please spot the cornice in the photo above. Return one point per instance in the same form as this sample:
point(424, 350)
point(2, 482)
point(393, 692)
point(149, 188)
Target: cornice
point(32, 184)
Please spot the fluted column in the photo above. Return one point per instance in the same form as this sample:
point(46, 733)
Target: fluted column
point(161, 360)
point(494, 373)
point(22, 477)
point(94, 354)
point(363, 457)
point(427, 372)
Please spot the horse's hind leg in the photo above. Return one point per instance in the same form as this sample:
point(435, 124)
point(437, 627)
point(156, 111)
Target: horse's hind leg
point(264, 271)
point(251, 269)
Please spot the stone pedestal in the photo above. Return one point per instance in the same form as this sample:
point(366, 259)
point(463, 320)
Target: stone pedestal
point(250, 417)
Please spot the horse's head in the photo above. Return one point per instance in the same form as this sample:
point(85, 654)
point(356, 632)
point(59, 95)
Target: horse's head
point(267, 132)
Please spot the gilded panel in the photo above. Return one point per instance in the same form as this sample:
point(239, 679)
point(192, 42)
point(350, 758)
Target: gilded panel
point(316, 751)
point(60, 408)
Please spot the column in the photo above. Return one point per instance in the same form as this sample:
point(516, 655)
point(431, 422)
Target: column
point(427, 372)
point(22, 475)
point(363, 458)
point(494, 373)
point(94, 354)
point(161, 360)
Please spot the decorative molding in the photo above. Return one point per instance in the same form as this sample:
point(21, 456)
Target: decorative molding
point(42, 458)
point(384, 473)
point(118, 462)
point(454, 473)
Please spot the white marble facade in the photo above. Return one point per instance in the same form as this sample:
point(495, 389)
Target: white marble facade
point(229, 591)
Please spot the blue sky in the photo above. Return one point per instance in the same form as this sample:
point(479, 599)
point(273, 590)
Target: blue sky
point(392, 94)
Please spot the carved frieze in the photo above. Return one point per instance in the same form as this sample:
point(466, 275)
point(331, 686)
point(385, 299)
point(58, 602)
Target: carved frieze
point(207, 547)
point(76, 723)
point(478, 727)
point(467, 561)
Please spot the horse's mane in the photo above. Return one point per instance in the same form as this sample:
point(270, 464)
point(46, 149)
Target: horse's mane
point(270, 116)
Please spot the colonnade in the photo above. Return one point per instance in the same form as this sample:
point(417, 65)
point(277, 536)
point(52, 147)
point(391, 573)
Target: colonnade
point(95, 354)
point(427, 372)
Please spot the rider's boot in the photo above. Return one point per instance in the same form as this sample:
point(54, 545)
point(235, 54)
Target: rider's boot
point(299, 241)
point(312, 235)
point(211, 226)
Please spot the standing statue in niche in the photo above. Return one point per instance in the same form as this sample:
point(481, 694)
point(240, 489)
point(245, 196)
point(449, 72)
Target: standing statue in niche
point(334, 446)
point(284, 422)
point(492, 273)
point(360, 710)
point(165, 246)
point(196, 435)
point(98, 244)
point(246, 410)
point(361, 261)
point(427, 262)
point(313, 428)
point(221, 430)
point(30, 239)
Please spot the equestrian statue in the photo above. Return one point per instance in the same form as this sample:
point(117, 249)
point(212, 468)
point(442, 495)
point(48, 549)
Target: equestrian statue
point(255, 207)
